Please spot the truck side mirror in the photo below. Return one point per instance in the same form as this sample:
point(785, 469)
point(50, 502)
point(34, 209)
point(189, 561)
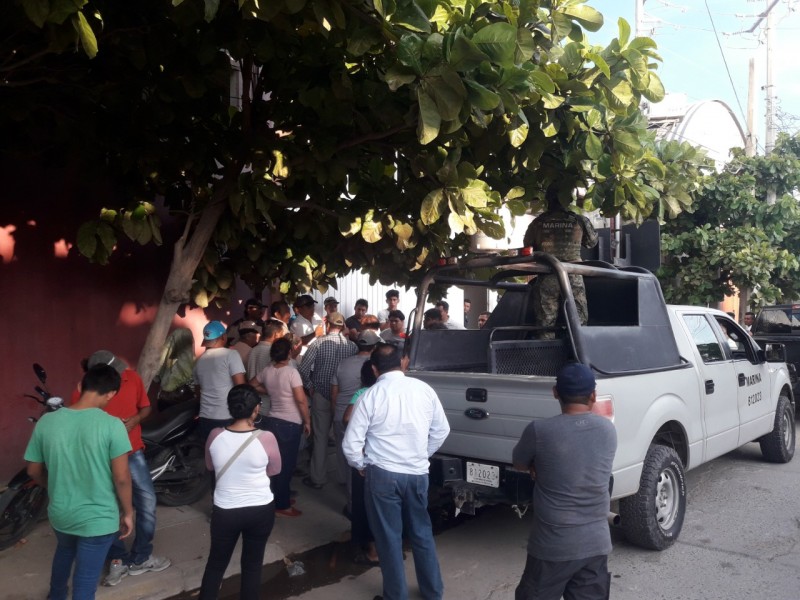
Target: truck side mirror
point(774, 353)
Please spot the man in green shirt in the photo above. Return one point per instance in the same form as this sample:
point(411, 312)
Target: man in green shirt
point(80, 454)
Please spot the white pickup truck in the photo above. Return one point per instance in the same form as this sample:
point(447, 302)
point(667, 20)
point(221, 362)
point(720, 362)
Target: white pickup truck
point(682, 385)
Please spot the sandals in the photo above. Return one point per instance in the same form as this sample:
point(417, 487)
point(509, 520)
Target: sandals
point(362, 559)
point(310, 483)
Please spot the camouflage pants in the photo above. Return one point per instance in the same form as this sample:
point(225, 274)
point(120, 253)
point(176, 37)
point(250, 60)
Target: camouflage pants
point(547, 299)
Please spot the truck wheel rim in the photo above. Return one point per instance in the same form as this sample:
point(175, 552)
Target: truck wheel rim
point(788, 429)
point(666, 499)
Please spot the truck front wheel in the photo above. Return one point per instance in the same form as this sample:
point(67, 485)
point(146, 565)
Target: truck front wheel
point(778, 445)
point(652, 518)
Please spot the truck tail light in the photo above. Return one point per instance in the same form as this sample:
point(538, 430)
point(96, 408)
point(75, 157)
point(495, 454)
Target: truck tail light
point(604, 406)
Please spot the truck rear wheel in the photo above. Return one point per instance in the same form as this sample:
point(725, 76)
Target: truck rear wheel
point(778, 445)
point(652, 518)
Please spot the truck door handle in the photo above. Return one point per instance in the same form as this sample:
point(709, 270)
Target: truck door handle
point(709, 386)
point(476, 395)
point(742, 380)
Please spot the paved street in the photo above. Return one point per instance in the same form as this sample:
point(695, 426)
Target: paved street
point(739, 541)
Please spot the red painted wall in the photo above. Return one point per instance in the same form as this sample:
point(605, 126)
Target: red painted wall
point(57, 308)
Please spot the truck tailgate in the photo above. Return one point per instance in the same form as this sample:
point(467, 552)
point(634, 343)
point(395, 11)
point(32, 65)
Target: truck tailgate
point(511, 402)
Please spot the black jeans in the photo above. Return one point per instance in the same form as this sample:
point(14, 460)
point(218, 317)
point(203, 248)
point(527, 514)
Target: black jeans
point(254, 523)
point(288, 436)
point(584, 579)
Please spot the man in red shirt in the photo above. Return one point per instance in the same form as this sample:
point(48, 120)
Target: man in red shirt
point(131, 405)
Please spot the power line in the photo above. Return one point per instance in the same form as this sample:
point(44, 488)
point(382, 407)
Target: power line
point(725, 61)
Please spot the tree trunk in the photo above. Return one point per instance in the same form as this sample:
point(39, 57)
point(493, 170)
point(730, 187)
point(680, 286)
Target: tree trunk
point(188, 253)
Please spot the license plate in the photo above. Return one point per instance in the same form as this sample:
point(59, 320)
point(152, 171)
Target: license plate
point(488, 475)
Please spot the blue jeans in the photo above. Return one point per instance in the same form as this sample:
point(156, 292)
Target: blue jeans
point(88, 554)
point(144, 503)
point(398, 502)
point(288, 436)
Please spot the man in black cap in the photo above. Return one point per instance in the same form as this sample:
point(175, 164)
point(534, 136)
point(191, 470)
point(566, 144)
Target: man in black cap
point(570, 457)
point(253, 311)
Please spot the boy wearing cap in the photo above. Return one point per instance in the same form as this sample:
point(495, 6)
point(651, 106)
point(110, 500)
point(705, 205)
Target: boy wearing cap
point(346, 382)
point(570, 457)
point(131, 406)
point(216, 371)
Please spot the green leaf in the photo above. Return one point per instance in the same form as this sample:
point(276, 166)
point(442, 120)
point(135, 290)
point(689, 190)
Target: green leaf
point(518, 133)
point(106, 234)
point(590, 18)
point(655, 90)
point(409, 50)
point(515, 192)
point(448, 92)
point(600, 63)
point(475, 194)
point(411, 16)
point(543, 82)
point(432, 205)
point(371, 232)
point(37, 11)
point(624, 32)
point(429, 119)
point(465, 55)
point(481, 97)
point(86, 239)
point(493, 230)
point(211, 7)
point(349, 228)
point(86, 35)
point(456, 222)
point(498, 41)
point(594, 147)
point(398, 76)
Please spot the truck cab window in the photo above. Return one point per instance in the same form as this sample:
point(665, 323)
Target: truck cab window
point(703, 337)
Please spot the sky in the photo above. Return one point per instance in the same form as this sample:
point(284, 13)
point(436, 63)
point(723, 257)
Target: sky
point(693, 62)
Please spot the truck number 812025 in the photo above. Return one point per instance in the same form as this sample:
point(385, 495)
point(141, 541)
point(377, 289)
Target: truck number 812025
point(754, 398)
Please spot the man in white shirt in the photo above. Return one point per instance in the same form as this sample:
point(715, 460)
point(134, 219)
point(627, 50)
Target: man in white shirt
point(444, 308)
point(392, 299)
point(307, 323)
point(396, 426)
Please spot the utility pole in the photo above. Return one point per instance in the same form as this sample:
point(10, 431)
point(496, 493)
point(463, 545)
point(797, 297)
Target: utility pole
point(750, 144)
point(769, 139)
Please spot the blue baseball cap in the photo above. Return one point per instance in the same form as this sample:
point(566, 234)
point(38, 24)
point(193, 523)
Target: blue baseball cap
point(212, 331)
point(575, 380)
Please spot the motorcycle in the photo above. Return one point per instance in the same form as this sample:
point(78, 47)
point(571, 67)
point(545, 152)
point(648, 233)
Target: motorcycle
point(175, 456)
point(176, 459)
point(23, 503)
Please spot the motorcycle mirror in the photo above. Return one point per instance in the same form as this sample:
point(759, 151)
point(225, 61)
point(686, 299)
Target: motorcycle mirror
point(41, 374)
point(45, 395)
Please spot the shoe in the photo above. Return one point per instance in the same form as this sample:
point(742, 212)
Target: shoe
point(116, 572)
point(155, 564)
point(288, 512)
point(310, 483)
point(362, 559)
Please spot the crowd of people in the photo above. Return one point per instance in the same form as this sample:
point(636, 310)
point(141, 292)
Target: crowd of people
point(275, 391)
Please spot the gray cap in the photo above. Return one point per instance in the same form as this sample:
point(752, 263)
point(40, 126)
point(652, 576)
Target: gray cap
point(368, 338)
point(105, 357)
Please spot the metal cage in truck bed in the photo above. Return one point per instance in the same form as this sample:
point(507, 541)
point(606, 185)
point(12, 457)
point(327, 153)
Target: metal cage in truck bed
point(627, 332)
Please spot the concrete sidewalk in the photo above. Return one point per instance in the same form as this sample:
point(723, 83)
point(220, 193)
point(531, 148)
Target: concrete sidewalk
point(182, 535)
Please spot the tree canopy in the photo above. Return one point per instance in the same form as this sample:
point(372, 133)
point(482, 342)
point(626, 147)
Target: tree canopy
point(298, 140)
point(732, 238)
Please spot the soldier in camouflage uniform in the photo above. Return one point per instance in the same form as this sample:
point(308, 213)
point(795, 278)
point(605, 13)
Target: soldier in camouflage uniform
point(561, 233)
